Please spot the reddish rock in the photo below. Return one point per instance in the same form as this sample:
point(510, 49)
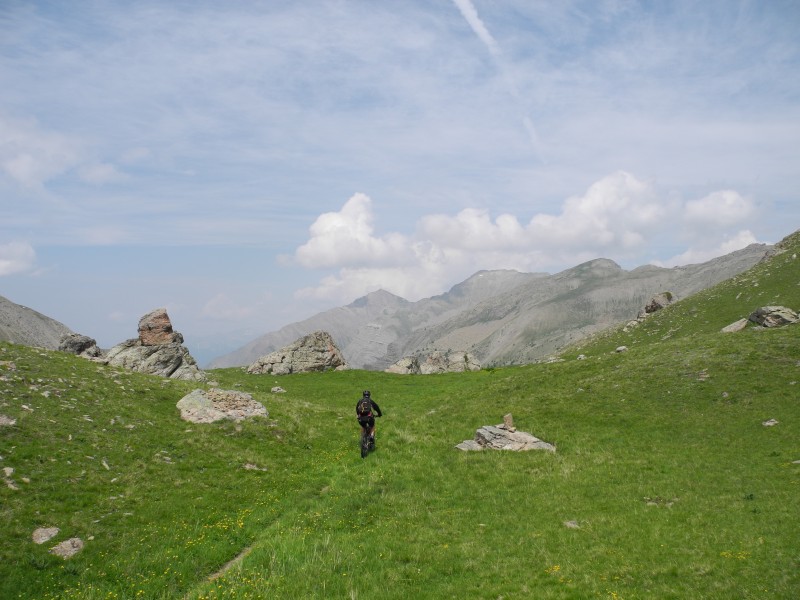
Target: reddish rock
point(155, 328)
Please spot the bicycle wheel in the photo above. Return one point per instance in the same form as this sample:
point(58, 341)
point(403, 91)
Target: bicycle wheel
point(364, 445)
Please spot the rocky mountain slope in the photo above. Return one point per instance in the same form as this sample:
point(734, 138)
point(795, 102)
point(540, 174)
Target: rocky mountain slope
point(502, 317)
point(22, 325)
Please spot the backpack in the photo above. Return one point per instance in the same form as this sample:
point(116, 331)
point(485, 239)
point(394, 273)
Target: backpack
point(364, 408)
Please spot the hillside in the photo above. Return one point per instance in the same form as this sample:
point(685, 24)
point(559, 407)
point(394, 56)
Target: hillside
point(502, 317)
point(23, 325)
point(666, 482)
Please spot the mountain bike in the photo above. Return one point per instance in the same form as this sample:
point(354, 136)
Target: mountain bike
point(367, 443)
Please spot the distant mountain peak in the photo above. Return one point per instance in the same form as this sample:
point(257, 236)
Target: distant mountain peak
point(377, 298)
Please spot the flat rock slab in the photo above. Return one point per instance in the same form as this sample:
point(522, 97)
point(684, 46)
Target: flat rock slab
point(503, 437)
point(202, 406)
point(44, 534)
point(67, 548)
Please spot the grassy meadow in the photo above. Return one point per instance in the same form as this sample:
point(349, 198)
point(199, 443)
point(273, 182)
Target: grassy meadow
point(665, 483)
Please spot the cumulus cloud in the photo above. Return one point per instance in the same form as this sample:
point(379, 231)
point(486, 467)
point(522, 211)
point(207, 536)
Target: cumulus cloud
point(16, 257)
point(346, 237)
point(617, 217)
point(615, 212)
point(720, 209)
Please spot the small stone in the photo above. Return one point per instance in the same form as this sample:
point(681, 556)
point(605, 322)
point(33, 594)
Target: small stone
point(770, 423)
point(572, 525)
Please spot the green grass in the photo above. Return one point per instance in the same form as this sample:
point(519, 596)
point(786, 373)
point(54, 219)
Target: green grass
point(662, 460)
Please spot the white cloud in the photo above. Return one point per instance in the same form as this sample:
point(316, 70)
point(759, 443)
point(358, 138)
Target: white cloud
point(31, 155)
point(721, 209)
point(346, 238)
point(700, 254)
point(16, 257)
point(613, 214)
point(616, 217)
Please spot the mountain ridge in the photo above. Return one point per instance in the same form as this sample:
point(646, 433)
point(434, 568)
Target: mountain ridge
point(503, 317)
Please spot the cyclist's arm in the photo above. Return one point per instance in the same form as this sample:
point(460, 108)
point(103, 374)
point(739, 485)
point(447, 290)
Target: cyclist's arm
point(377, 408)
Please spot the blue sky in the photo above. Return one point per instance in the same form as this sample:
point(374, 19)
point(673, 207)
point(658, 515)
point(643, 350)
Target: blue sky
point(249, 164)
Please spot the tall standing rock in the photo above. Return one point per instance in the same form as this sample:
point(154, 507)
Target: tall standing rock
point(158, 350)
point(155, 329)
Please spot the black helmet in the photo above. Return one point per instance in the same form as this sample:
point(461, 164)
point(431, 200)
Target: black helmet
point(366, 393)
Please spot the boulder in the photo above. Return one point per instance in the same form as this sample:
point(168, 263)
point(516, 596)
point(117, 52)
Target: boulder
point(449, 362)
point(436, 362)
point(774, 316)
point(504, 437)
point(202, 406)
point(82, 345)
point(658, 302)
point(313, 352)
point(735, 326)
point(408, 365)
point(144, 355)
point(155, 329)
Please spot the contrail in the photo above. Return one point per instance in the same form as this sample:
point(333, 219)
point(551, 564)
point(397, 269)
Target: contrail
point(472, 18)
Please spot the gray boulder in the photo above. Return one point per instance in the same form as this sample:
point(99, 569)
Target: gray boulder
point(408, 365)
point(735, 326)
point(157, 351)
point(504, 437)
point(774, 316)
point(82, 345)
point(436, 362)
point(313, 352)
point(658, 302)
point(202, 406)
point(449, 362)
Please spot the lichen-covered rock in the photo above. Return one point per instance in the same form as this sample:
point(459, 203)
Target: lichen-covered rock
point(202, 406)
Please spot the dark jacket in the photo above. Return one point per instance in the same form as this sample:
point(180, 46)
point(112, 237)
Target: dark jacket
point(374, 405)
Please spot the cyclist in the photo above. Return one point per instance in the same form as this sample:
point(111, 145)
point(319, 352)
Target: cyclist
point(365, 416)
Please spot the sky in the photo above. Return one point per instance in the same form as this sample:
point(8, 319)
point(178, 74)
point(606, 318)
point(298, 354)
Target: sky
point(248, 164)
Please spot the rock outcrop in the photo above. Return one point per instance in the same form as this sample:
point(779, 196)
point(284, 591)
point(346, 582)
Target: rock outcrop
point(436, 362)
point(774, 316)
point(408, 365)
point(658, 302)
point(504, 437)
point(202, 406)
point(82, 345)
point(313, 352)
point(157, 351)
